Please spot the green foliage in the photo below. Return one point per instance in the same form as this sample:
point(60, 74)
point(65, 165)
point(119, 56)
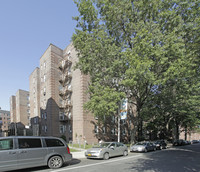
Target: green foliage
point(147, 51)
point(104, 100)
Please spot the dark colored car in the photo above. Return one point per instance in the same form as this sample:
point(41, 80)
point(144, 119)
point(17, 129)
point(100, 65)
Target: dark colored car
point(179, 142)
point(160, 144)
point(186, 142)
point(195, 141)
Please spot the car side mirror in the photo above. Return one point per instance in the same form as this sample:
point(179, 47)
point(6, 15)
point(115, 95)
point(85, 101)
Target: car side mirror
point(112, 147)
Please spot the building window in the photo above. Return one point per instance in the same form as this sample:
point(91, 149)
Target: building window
point(44, 65)
point(113, 119)
point(123, 121)
point(44, 78)
point(35, 120)
point(124, 131)
point(60, 87)
point(70, 128)
point(45, 128)
point(96, 129)
point(44, 93)
point(69, 87)
point(45, 102)
point(45, 115)
point(104, 130)
point(113, 131)
point(69, 115)
point(62, 129)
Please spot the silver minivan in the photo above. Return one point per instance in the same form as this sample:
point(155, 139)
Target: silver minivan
point(17, 152)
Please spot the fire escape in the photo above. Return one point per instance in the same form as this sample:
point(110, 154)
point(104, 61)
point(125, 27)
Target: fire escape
point(65, 114)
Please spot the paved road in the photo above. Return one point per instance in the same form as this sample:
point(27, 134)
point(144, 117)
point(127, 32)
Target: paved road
point(175, 159)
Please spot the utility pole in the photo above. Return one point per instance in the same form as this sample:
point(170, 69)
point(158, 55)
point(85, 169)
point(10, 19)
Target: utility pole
point(118, 128)
point(119, 118)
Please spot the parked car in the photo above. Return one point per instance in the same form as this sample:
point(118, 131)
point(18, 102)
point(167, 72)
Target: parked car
point(106, 150)
point(17, 152)
point(179, 142)
point(195, 141)
point(143, 147)
point(160, 144)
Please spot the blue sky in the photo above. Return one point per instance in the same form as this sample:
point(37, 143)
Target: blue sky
point(27, 27)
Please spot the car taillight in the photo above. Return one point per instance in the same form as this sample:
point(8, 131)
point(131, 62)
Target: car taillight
point(68, 150)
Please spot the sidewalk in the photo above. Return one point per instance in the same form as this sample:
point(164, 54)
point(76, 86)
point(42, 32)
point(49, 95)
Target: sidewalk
point(78, 155)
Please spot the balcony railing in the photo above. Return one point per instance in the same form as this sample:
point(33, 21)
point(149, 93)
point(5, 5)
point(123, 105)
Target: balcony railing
point(65, 91)
point(65, 77)
point(63, 118)
point(64, 64)
point(66, 104)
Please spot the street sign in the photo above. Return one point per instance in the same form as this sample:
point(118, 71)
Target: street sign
point(123, 109)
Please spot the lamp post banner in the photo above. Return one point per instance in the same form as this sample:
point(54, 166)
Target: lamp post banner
point(123, 109)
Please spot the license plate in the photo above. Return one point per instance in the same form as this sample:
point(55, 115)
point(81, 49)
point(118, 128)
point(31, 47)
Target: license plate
point(89, 155)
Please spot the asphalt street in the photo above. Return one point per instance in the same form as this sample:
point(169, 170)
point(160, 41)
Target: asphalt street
point(175, 159)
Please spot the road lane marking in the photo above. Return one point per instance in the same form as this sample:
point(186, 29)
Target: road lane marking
point(99, 163)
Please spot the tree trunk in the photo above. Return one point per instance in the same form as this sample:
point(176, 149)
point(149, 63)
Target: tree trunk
point(185, 132)
point(177, 129)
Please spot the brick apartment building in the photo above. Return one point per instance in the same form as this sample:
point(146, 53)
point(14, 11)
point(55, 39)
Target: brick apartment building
point(23, 107)
point(4, 122)
point(13, 108)
point(20, 113)
point(57, 95)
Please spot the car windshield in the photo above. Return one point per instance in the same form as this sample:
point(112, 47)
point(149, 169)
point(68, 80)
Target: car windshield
point(102, 145)
point(140, 143)
point(157, 142)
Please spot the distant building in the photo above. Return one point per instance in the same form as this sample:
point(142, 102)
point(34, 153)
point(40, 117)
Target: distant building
point(34, 87)
point(4, 122)
point(13, 108)
point(20, 108)
point(34, 83)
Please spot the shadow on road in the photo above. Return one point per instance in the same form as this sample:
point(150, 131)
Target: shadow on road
point(46, 168)
point(183, 159)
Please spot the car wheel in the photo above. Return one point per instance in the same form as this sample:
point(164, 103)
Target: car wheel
point(125, 153)
point(106, 156)
point(55, 162)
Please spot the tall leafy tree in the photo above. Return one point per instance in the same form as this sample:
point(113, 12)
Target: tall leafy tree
point(131, 48)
